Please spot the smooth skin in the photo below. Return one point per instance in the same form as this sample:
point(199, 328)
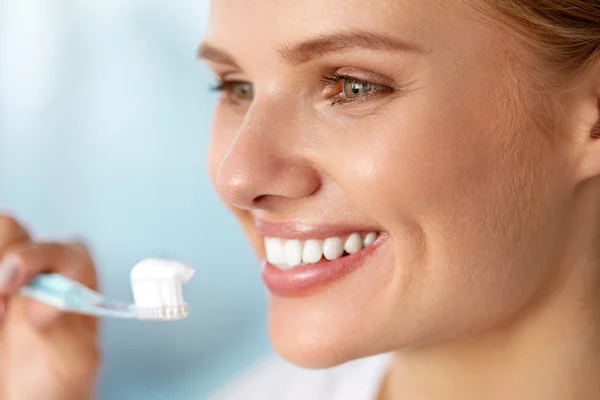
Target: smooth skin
point(44, 353)
point(488, 284)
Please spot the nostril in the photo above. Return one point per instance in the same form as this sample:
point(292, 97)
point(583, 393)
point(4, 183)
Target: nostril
point(260, 199)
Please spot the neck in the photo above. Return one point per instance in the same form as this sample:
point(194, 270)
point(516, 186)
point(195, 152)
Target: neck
point(551, 352)
point(555, 360)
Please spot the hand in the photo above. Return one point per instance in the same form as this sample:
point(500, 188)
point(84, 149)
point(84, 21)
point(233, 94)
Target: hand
point(45, 354)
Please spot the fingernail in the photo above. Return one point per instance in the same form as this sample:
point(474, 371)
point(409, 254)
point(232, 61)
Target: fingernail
point(8, 271)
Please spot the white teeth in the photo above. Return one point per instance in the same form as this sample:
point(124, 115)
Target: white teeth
point(312, 252)
point(286, 254)
point(293, 252)
point(370, 238)
point(333, 248)
point(274, 250)
point(354, 243)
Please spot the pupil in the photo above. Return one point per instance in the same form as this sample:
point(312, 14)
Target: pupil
point(356, 88)
point(244, 91)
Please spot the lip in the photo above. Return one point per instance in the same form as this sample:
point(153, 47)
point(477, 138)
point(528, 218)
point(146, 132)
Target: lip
point(304, 280)
point(305, 231)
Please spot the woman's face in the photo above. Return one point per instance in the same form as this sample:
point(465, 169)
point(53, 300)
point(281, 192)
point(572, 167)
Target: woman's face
point(397, 117)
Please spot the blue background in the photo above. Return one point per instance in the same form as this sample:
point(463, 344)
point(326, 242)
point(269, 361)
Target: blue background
point(104, 125)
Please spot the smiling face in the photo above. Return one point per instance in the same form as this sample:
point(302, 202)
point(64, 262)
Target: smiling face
point(397, 118)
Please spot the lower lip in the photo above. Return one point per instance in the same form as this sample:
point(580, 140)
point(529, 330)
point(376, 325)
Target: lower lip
point(301, 281)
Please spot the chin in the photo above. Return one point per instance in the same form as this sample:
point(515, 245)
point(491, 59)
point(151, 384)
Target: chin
point(310, 351)
point(310, 335)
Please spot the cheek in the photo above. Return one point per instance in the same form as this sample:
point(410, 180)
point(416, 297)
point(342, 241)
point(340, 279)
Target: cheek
point(445, 172)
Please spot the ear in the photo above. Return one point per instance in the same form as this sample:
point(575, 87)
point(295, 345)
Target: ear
point(589, 166)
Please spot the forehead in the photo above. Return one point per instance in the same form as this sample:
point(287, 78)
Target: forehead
point(236, 23)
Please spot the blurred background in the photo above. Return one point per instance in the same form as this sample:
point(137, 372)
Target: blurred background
point(105, 116)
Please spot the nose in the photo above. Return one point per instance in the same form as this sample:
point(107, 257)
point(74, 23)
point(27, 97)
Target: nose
point(266, 164)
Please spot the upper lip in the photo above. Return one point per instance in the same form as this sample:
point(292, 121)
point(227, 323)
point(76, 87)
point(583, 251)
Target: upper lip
point(302, 230)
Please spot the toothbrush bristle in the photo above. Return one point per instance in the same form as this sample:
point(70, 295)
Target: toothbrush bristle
point(171, 313)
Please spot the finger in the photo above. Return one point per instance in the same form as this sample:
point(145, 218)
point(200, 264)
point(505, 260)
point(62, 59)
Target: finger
point(11, 232)
point(42, 317)
point(76, 263)
point(29, 260)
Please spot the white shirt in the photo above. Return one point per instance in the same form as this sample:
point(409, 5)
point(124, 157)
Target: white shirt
point(277, 379)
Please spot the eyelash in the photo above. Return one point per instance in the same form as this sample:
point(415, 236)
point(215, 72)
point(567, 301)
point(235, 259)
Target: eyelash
point(371, 88)
point(333, 80)
point(224, 86)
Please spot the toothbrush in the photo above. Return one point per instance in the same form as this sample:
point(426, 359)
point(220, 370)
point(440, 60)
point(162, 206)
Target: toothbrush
point(155, 283)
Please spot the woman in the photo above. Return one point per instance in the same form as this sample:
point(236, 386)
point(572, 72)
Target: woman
point(422, 179)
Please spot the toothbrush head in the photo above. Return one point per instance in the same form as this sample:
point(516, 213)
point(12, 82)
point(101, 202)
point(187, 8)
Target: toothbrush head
point(157, 289)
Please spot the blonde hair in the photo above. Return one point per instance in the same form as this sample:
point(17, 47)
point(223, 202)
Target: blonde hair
point(565, 34)
point(556, 44)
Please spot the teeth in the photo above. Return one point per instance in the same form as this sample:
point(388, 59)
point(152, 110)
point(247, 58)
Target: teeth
point(313, 251)
point(369, 239)
point(353, 244)
point(293, 252)
point(333, 248)
point(286, 254)
point(274, 250)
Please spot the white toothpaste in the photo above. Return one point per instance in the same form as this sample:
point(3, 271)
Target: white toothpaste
point(157, 289)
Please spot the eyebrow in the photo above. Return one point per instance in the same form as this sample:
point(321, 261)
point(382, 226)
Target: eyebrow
point(319, 46)
point(212, 53)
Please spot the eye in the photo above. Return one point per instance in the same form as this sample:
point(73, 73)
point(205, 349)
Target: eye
point(236, 91)
point(348, 89)
point(243, 91)
point(353, 89)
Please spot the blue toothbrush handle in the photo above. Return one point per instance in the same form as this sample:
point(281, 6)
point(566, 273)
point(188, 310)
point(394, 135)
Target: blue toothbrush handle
point(65, 294)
